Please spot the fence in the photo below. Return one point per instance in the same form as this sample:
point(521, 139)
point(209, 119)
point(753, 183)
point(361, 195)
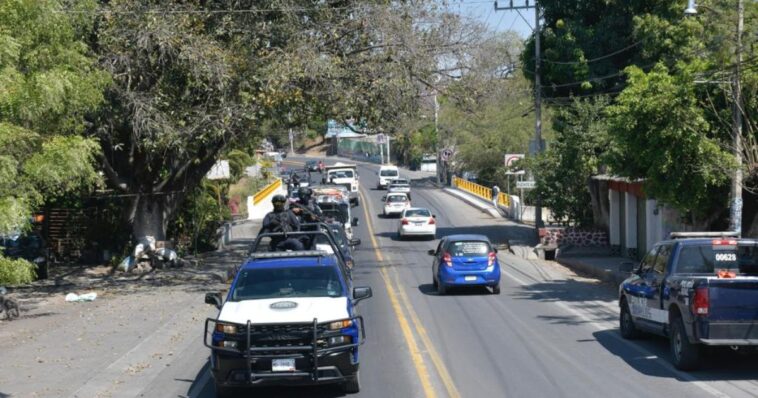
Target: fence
point(265, 192)
point(480, 191)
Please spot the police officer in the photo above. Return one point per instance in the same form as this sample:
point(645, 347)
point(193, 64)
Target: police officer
point(305, 197)
point(284, 221)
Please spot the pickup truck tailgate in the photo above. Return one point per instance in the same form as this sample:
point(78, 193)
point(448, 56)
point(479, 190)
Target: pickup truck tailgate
point(733, 312)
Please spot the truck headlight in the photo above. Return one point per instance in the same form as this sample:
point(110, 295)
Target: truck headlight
point(228, 344)
point(226, 328)
point(340, 340)
point(340, 324)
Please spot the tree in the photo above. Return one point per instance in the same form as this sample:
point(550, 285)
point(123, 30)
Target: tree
point(48, 83)
point(563, 172)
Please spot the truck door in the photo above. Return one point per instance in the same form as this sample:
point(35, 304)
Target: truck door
point(659, 292)
point(639, 290)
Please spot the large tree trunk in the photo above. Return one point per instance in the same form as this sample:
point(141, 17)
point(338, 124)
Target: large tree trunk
point(150, 216)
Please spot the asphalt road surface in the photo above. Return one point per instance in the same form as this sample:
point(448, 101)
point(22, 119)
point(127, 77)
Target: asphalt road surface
point(550, 333)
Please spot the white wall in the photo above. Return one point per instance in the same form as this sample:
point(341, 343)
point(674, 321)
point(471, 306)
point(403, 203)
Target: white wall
point(264, 207)
point(631, 220)
point(654, 223)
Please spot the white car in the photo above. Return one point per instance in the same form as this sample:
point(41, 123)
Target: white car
point(401, 185)
point(417, 221)
point(395, 203)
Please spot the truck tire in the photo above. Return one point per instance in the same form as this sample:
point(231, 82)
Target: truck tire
point(496, 289)
point(684, 355)
point(353, 384)
point(626, 324)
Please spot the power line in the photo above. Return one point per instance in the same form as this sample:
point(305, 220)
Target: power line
point(600, 58)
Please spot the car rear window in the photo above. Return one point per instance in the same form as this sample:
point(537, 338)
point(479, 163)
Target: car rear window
point(417, 213)
point(267, 283)
point(469, 248)
point(706, 259)
point(388, 173)
point(396, 198)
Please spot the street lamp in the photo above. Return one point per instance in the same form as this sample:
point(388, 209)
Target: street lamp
point(735, 205)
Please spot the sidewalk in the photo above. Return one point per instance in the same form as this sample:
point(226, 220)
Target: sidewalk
point(596, 262)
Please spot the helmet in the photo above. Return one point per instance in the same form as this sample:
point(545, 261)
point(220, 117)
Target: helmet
point(278, 201)
point(304, 193)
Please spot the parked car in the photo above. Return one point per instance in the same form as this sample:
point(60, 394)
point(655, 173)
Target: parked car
point(289, 319)
point(696, 289)
point(311, 165)
point(401, 185)
point(30, 246)
point(417, 222)
point(465, 260)
point(395, 203)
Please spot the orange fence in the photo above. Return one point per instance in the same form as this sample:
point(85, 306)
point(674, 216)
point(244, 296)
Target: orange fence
point(265, 192)
point(480, 191)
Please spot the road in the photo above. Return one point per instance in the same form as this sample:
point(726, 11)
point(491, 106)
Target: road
point(550, 333)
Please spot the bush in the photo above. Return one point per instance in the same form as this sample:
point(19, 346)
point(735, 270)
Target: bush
point(16, 271)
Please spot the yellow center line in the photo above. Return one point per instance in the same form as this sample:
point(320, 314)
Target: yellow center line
point(439, 364)
point(418, 361)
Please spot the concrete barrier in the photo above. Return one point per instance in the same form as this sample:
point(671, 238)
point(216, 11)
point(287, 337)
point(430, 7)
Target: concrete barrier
point(259, 204)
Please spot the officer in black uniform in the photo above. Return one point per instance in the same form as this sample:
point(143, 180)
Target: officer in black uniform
point(282, 220)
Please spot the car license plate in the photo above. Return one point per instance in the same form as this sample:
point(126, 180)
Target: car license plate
point(418, 224)
point(470, 278)
point(283, 365)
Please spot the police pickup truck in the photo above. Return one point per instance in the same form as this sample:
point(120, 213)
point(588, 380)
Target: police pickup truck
point(698, 289)
point(289, 318)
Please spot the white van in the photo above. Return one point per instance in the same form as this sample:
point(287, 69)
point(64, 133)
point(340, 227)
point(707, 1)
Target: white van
point(386, 175)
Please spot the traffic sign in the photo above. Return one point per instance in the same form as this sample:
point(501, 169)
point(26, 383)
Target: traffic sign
point(446, 154)
point(380, 138)
point(526, 184)
point(510, 160)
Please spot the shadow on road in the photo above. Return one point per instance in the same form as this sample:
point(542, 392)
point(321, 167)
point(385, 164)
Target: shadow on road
point(570, 290)
point(429, 290)
point(721, 364)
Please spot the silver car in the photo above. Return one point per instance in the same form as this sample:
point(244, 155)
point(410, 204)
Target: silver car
point(401, 185)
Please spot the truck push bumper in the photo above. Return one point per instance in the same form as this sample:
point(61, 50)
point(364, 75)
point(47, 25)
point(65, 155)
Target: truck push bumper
point(259, 346)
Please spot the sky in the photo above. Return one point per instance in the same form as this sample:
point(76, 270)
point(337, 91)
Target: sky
point(501, 21)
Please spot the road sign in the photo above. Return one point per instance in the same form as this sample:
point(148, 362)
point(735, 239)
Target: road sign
point(526, 184)
point(446, 154)
point(510, 160)
point(380, 138)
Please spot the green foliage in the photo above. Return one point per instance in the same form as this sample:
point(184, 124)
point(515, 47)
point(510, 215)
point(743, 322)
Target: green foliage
point(16, 271)
point(48, 82)
point(201, 214)
point(661, 134)
point(563, 172)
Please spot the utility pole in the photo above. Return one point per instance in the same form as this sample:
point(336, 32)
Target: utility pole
point(437, 135)
point(735, 211)
point(538, 223)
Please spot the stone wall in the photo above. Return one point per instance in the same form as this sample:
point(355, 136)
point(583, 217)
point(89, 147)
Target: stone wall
point(555, 237)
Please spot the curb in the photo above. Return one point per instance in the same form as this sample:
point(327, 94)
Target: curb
point(476, 202)
point(580, 267)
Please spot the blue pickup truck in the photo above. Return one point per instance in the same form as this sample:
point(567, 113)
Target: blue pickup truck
point(696, 289)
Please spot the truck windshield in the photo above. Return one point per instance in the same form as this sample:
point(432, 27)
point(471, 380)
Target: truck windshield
point(342, 174)
point(388, 173)
point(706, 259)
point(268, 283)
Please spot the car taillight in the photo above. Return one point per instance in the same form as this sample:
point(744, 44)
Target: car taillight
point(447, 259)
point(431, 221)
point(404, 221)
point(701, 301)
point(491, 259)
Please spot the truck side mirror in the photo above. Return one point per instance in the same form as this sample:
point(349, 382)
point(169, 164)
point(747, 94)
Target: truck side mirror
point(213, 299)
point(355, 242)
point(361, 293)
point(354, 222)
point(627, 267)
point(431, 252)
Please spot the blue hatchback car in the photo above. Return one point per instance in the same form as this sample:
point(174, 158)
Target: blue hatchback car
point(465, 260)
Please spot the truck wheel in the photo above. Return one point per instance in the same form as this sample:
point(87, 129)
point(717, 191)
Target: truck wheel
point(626, 324)
point(496, 289)
point(353, 384)
point(685, 355)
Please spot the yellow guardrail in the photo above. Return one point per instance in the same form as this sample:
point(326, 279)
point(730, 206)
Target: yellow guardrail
point(265, 192)
point(480, 191)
